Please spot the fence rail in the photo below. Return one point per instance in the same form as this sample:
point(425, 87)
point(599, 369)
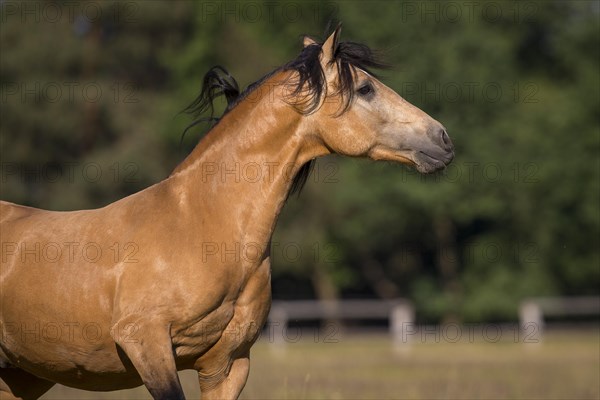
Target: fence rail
point(401, 316)
point(399, 312)
point(532, 311)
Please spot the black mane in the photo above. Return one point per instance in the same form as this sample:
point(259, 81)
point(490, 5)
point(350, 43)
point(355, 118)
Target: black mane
point(307, 93)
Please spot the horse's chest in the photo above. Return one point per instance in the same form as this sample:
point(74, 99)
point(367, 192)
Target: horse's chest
point(236, 321)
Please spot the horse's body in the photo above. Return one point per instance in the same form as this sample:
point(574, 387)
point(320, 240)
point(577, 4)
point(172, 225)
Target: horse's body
point(177, 276)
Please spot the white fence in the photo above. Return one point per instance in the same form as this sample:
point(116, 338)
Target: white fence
point(400, 314)
point(532, 312)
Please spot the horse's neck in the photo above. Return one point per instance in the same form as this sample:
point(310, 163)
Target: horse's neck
point(243, 169)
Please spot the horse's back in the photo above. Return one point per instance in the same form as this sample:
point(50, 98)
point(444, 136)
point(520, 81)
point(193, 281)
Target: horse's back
point(19, 224)
point(10, 212)
point(45, 249)
point(13, 223)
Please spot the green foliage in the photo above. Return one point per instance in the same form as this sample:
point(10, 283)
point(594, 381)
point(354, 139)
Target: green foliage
point(516, 85)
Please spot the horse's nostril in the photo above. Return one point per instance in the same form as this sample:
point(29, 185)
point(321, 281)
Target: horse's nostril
point(446, 141)
point(445, 137)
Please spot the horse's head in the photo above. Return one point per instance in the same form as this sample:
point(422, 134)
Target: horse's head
point(355, 114)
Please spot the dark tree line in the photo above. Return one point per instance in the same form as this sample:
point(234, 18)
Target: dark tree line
point(89, 114)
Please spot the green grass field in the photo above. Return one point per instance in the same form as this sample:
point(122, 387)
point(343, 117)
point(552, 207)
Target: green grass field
point(564, 366)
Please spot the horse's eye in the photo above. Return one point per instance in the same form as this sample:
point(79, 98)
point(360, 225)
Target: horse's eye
point(366, 90)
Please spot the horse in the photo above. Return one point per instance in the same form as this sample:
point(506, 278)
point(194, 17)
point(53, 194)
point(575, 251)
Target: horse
point(177, 276)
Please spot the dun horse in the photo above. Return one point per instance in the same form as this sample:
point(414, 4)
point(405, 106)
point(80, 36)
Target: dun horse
point(177, 276)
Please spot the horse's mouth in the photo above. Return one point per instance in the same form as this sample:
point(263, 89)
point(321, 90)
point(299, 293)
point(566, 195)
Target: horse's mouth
point(424, 162)
point(427, 163)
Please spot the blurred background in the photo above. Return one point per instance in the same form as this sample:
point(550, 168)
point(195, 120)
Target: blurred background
point(91, 95)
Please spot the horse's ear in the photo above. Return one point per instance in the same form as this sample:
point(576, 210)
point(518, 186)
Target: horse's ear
point(328, 48)
point(308, 41)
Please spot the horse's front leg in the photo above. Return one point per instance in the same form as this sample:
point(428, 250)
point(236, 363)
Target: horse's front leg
point(151, 353)
point(231, 386)
point(223, 370)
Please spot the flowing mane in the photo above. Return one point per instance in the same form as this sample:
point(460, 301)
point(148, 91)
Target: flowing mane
point(307, 88)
